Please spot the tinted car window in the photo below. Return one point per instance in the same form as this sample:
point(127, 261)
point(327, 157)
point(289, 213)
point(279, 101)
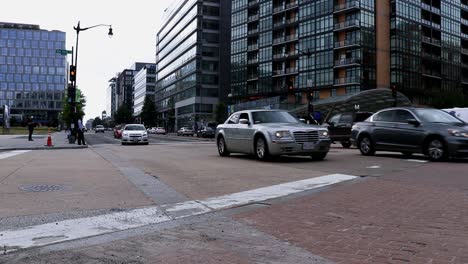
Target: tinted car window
point(335, 119)
point(273, 117)
point(135, 128)
point(436, 116)
point(346, 118)
point(244, 116)
point(386, 116)
point(402, 116)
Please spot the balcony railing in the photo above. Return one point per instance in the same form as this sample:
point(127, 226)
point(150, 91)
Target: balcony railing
point(347, 5)
point(254, 17)
point(464, 35)
point(252, 61)
point(252, 31)
point(291, 20)
point(464, 64)
point(347, 42)
point(347, 80)
point(252, 47)
point(464, 51)
point(285, 39)
point(347, 24)
point(347, 61)
point(279, 23)
point(430, 8)
point(431, 73)
point(430, 24)
point(278, 9)
point(464, 21)
point(291, 5)
point(431, 40)
point(464, 6)
point(285, 71)
point(252, 76)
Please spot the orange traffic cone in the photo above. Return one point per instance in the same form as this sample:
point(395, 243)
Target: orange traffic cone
point(49, 140)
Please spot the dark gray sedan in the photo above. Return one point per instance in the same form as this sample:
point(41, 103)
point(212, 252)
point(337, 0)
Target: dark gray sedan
point(266, 133)
point(431, 132)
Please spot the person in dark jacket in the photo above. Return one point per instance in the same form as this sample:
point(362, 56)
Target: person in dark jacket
point(31, 125)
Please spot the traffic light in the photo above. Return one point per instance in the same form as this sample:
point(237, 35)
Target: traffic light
point(72, 73)
point(394, 91)
point(290, 87)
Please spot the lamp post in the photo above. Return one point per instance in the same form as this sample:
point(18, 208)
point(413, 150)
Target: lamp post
point(74, 66)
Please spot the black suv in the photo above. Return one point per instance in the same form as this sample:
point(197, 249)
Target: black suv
point(339, 126)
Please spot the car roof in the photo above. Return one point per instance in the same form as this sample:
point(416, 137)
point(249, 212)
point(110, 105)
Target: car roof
point(261, 110)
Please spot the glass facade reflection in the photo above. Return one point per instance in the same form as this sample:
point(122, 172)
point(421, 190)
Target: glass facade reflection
point(191, 58)
point(32, 75)
point(289, 48)
point(144, 85)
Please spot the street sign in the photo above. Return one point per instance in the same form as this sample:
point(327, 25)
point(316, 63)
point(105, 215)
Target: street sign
point(78, 96)
point(63, 52)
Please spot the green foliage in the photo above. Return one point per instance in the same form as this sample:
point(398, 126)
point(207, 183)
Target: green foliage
point(97, 121)
point(220, 113)
point(67, 116)
point(123, 115)
point(149, 113)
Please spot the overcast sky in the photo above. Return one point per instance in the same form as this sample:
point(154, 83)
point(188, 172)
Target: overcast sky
point(134, 24)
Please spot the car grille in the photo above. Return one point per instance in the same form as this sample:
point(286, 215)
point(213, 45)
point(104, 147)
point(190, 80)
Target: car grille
point(135, 135)
point(306, 136)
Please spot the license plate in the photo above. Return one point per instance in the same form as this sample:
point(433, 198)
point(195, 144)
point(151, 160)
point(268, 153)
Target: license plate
point(308, 145)
point(135, 139)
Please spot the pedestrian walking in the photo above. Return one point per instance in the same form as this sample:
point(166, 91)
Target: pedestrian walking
point(31, 125)
point(81, 139)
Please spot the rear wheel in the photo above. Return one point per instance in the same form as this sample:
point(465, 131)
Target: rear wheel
point(436, 150)
point(318, 156)
point(366, 146)
point(222, 149)
point(261, 149)
point(346, 144)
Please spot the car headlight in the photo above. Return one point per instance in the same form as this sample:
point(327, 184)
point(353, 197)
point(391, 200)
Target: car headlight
point(145, 134)
point(458, 133)
point(323, 133)
point(282, 135)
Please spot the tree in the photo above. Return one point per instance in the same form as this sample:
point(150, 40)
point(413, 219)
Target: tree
point(67, 116)
point(97, 121)
point(149, 113)
point(123, 115)
point(220, 113)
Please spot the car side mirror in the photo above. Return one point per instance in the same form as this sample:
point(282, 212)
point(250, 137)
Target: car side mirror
point(331, 124)
point(413, 122)
point(244, 122)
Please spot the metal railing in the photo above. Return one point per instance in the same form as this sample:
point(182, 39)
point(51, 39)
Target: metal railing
point(347, 42)
point(347, 80)
point(347, 61)
point(252, 47)
point(347, 24)
point(347, 5)
point(254, 17)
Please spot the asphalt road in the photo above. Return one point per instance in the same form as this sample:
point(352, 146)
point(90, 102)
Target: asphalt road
point(183, 171)
point(108, 138)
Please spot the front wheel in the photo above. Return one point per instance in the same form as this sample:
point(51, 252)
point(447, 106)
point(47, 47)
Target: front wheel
point(436, 150)
point(366, 146)
point(261, 149)
point(222, 149)
point(318, 156)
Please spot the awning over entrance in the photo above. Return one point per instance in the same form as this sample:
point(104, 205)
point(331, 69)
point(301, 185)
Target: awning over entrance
point(366, 101)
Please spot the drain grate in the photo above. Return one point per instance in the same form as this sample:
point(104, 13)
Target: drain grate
point(45, 187)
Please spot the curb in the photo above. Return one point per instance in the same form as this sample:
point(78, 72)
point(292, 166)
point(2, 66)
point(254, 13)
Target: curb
point(44, 148)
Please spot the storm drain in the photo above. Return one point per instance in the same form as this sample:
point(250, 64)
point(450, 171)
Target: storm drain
point(45, 188)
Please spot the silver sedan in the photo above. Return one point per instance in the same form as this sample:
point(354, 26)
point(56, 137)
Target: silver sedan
point(266, 133)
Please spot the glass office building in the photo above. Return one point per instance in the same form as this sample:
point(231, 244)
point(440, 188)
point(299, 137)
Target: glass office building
point(286, 49)
point(192, 58)
point(144, 85)
point(33, 76)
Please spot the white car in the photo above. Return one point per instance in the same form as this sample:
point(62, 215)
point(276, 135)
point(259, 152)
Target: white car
point(160, 131)
point(99, 128)
point(134, 134)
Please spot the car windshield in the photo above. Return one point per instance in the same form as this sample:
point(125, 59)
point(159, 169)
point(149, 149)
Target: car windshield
point(273, 117)
point(436, 116)
point(134, 128)
point(99, 126)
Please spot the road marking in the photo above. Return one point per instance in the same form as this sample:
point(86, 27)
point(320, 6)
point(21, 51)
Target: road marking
point(45, 234)
point(374, 167)
point(415, 160)
point(12, 154)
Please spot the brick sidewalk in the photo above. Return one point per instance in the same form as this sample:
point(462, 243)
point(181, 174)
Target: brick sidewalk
point(416, 216)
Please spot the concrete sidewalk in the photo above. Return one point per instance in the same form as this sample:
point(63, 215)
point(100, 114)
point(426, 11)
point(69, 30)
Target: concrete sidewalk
point(20, 142)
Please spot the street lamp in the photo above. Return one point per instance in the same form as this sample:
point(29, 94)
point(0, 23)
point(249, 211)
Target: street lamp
point(74, 65)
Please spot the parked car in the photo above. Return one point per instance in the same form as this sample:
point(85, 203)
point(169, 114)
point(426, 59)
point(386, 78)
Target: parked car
point(118, 131)
point(160, 131)
point(266, 133)
point(134, 134)
point(339, 126)
point(99, 128)
point(432, 132)
point(206, 132)
point(185, 131)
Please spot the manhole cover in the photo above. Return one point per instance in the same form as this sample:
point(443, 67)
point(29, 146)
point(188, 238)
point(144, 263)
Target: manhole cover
point(45, 188)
